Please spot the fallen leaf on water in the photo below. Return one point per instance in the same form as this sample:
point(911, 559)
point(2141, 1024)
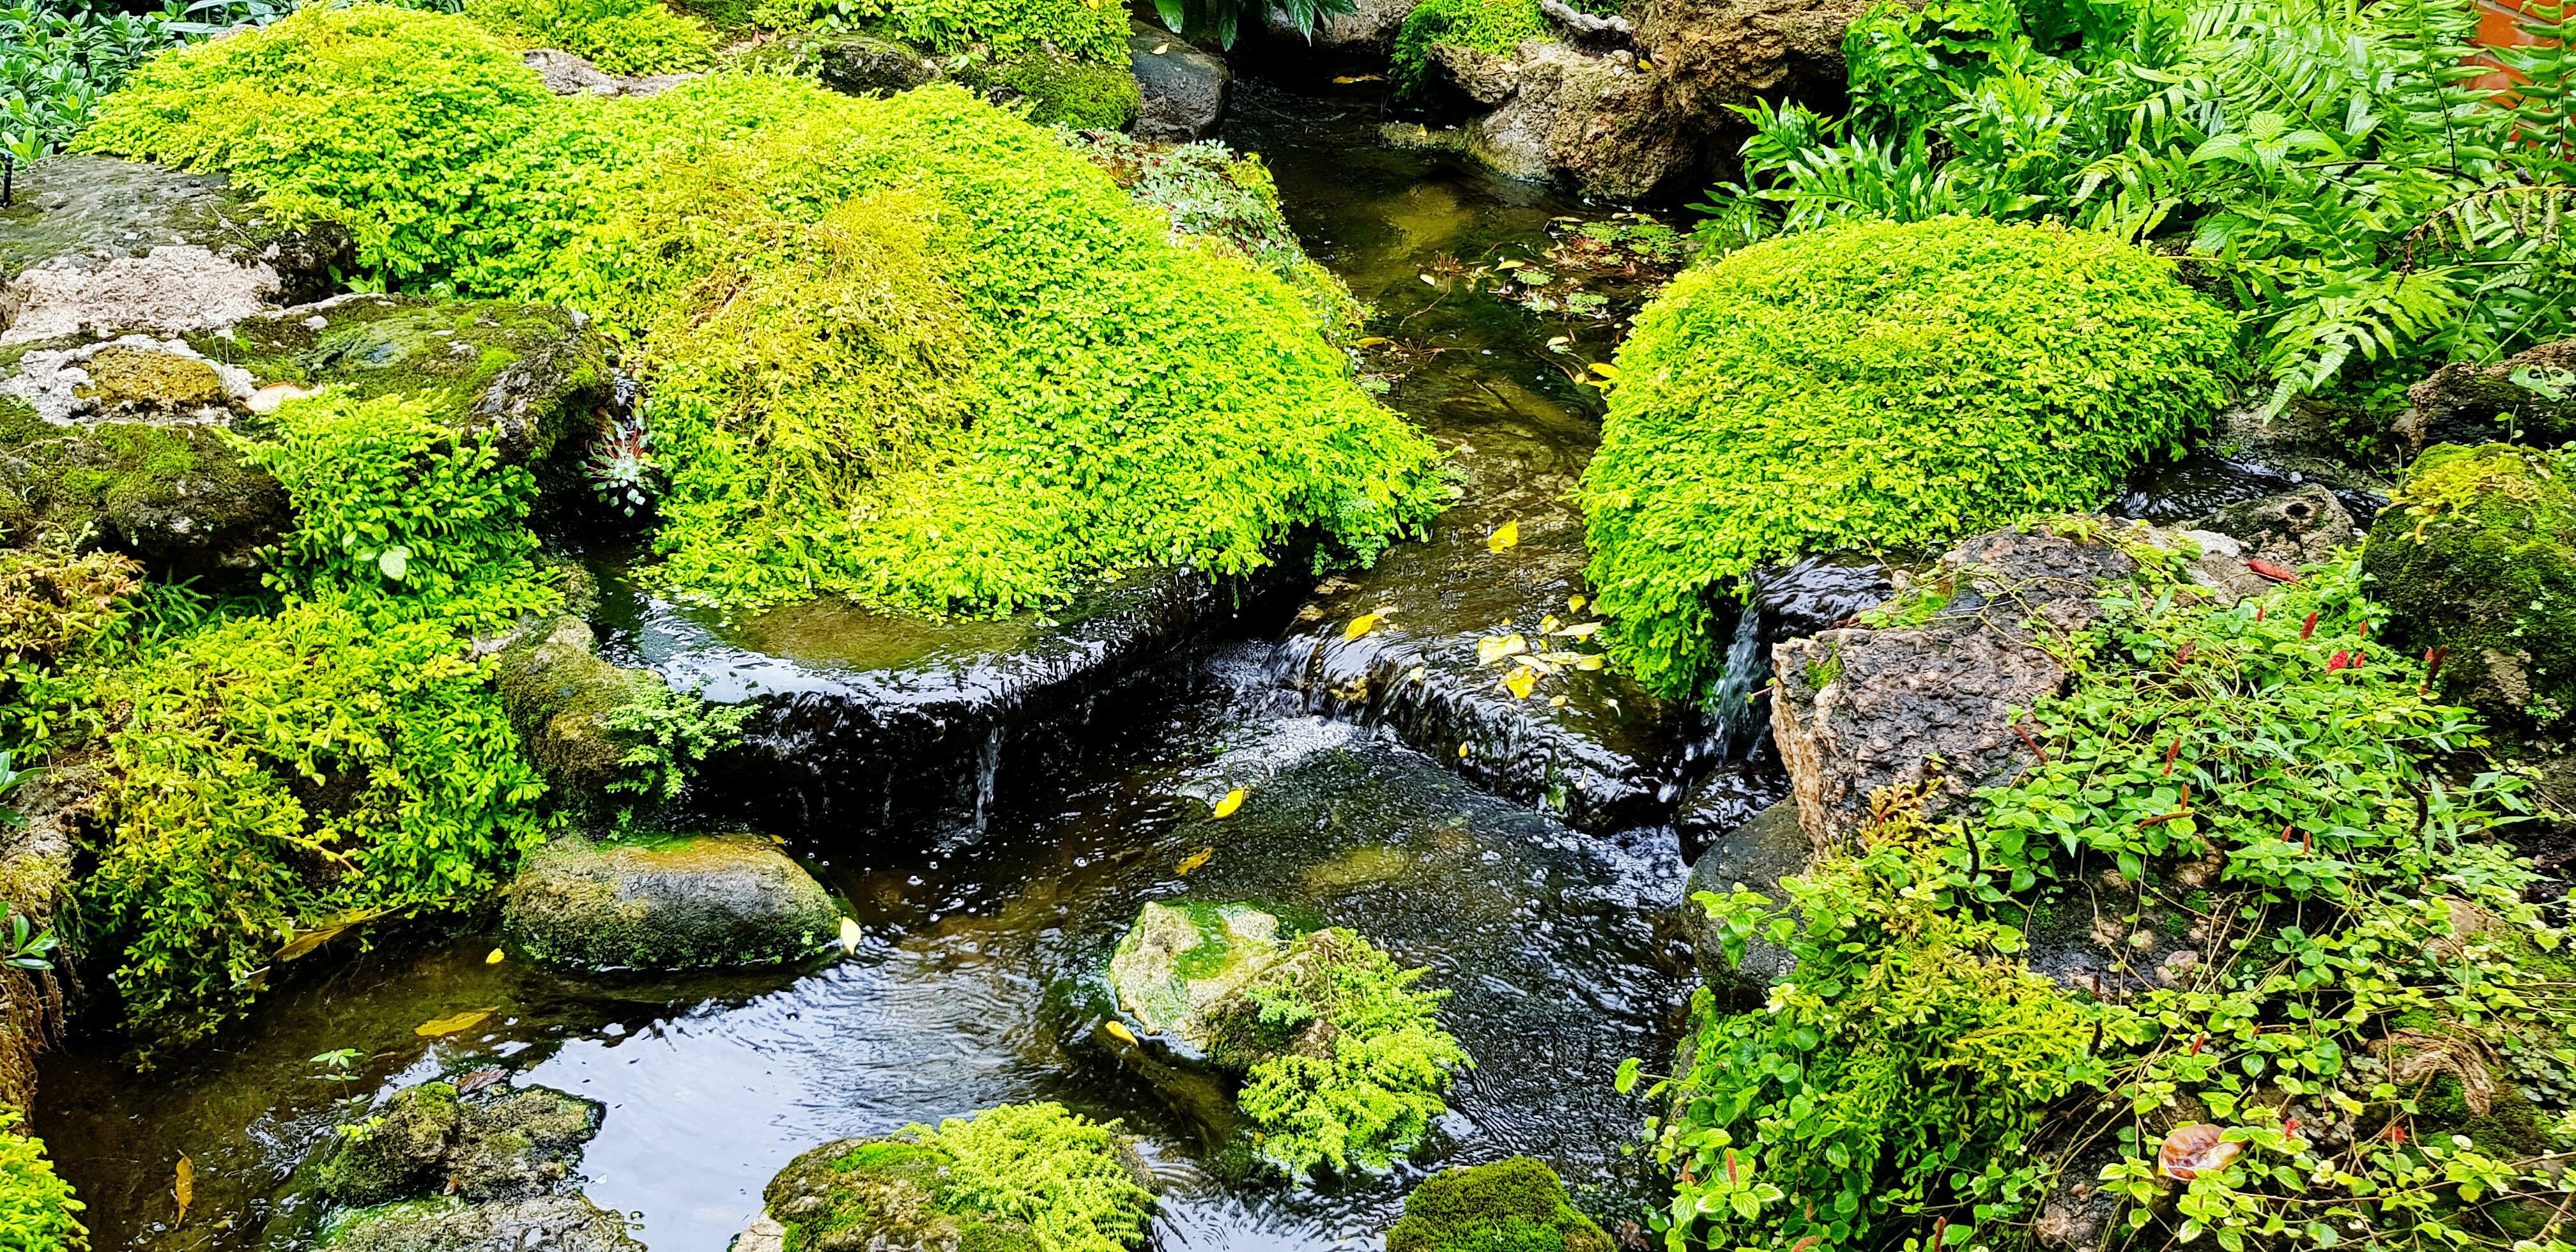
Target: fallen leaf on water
point(1546, 669)
point(308, 941)
point(1560, 658)
point(1233, 800)
point(450, 1025)
point(1161, 48)
point(1347, 79)
point(1588, 663)
point(849, 936)
point(495, 958)
point(1547, 625)
point(1504, 536)
point(1493, 648)
point(479, 1079)
point(1368, 342)
point(1194, 860)
point(183, 1187)
point(1556, 702)
point(1462, 751)
point(1419, 674)
point(2194, 1149)
point(1363, 624)
point(1119, 1032)
point(1510, 263)
point(1520, 682)
point(1574, 604)
point(1580, 630)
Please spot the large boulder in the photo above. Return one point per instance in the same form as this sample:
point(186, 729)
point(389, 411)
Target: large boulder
point(1180, 89)
point(97, 245)
point(862, 65)
point(1930, 696)
point(1369, 27)
point(1516, 1204)
point(666, 902)
point(434, 1170)
point(2528, 398)
point(1181, 962)
point(2477, 557)
point(1596, 121)
point(1713, 54)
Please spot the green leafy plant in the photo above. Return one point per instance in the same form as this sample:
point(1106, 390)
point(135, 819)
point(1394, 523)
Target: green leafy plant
point(2362, 202)
point(1875, 384)
point(59, 60)
point(620, 36)
point(1344, 1059)
point(27, 946)
point(1024, 1177)
point(37, 1211)
point(670, 734)
point(1494, 27)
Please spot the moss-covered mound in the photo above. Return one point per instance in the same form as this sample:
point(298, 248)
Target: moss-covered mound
point(909, 349)
point(1876, 384)
point(1515, 1205)
point(1494, 27)
point(177, 497)
point(37, 1210)
point(666, 902)
point(619, 36)
point(2477, 557)
point(1018, 1178)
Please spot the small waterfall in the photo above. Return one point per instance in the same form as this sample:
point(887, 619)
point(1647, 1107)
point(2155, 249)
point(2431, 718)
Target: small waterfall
point(988, 765)
point(1735, 729)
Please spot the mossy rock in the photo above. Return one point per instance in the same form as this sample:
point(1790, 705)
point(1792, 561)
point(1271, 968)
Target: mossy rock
point(178, 498)
point(2477, 556)
point(666, 902)
point(557, 692)
point(1515, 1205)
point(428, 1140)
point(1061, 90)
point(532, 374)
point(1181, 962)
point(1017, 1178)
point(446, 1224)
point(861, 65)
point(129, 379)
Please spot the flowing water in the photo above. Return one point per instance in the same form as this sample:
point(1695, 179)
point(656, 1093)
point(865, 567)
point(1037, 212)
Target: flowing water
point(988, 917)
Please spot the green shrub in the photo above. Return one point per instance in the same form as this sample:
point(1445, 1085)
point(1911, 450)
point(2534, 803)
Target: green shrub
point(1496, 27)
point(1018, 1178)
point(1010, 29)
point(619, 36)
point(1225, 199)
point(1133, 401)
point(1515, 1205)
point(58, 60)
point(1344, 1059)
point(274, 775)
point(36, 1206)
point(1875, 384)
point(1062, 91)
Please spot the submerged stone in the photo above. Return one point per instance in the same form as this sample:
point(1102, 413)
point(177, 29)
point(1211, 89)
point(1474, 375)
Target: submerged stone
point(568, 1223)
point(1183, 962)
point(666, 902)
point(1513, 1205)
point(428, 1140)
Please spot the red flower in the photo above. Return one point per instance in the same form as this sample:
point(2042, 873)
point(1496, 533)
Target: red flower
point(2310, 628)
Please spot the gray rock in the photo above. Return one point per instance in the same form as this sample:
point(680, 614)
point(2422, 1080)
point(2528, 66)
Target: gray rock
point(1596, 122)
point(666, 902)
point(507, 1143)
point(2290, 530)
point(1858, 709)
point(566, 74)
point(99, 245)
point(555, 1223)
point(1755, 856)
point(1181, 89)
point(862, 66)
point(2466, 403)
point(1225, 947)
point(1369, 27)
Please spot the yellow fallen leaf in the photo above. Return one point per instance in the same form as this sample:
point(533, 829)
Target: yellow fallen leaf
point(1509, 264)
point(1588, 663)
point(1348, 79)
point(1556, 702)
point(1118, 1031)
point(1361, 625)
point(1520, 682)
point(1233, 800)
point(494, 959)
point(1493, 648)
point(1574, 604)
point(1547, 624)
point(1644, 64)
point(849, 936)
point(308, 941)
point(1560, 658)
point(436, 1027)
point(1161, 48)
point(1370, 341)
point(1194, 860)
point(1504, 536)
point(1418, 674)
point(1462, 752)
point(1580, 630)
point(183, 1186)
point(1544, 668)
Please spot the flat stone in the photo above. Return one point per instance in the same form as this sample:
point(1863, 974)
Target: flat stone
point(666, 902)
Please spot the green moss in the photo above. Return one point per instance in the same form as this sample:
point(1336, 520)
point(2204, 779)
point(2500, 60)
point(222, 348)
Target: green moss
point(1494, 27)
point(619, 36)
point(1876, 384)
point(792, 262)
point(123, 378)
point(1018, 1178)
point(1515, 1205)
point(179, 497)
point(37, 1211)
point(2477, 556)
point(384, 1158)
point(1061, 90)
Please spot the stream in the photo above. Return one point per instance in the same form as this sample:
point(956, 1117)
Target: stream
point(989, 906)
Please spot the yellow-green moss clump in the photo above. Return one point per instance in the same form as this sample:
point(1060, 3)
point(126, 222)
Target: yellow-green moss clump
point(912, 350)
point(1018, 1178)
point(36, 1206)
point(1876, 384)
point(2477, 557)
point(619, 36)
point(1515, 1205)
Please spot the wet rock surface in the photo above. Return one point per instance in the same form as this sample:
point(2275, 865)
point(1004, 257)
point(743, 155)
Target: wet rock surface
point(95, 244)
point(1754, 856)
point(1557, 112)
point(2510, 400)
point(660, 901)
point(2249, 458)
point(1181, 961)
point(555, 1223)
point(434, 1170)
point(566, 74)
point(1181, 88)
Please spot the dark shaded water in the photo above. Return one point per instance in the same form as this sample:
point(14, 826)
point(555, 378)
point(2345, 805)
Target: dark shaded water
point(987, 926)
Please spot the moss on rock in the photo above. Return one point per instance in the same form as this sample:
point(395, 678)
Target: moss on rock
point(447, 1224)
point(558, 694)
point(666, 902)
point(131, 379)
point(1018, 1178)
point(180, 499)
point(2477, 556)
point(428, 1140)
point(1515, 1205)
point(1180, 961)
point(1061, 90)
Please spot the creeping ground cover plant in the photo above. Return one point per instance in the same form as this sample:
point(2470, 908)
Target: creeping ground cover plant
point(909, 350)
point(1875, 384)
